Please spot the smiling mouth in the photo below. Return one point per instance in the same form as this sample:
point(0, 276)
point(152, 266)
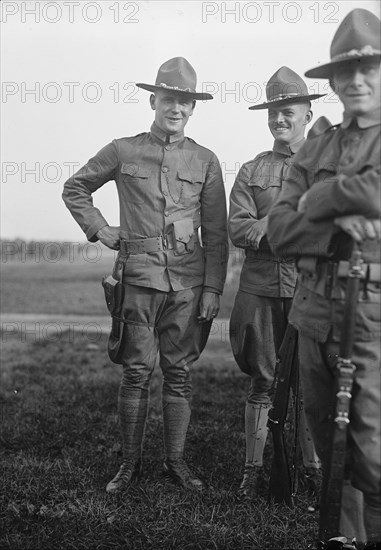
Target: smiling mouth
point(174, 119)
point(280, 128)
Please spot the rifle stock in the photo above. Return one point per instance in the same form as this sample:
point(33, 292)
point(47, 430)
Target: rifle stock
point(280, 478)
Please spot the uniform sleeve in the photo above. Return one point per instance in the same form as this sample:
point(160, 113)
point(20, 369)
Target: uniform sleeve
point(359, 194)
point(243, 211)
point(79, 188)
point(291, 234)
point(213, 228)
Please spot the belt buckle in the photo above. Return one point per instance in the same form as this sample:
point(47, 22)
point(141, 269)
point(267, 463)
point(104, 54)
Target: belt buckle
point(164, 241)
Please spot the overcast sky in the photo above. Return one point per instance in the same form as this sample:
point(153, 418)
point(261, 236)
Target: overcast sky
point(68, 74)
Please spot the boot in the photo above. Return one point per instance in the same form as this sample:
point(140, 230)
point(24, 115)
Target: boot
point(256, 434)
point(132, 419)
point(129, 472)
point(176, 416)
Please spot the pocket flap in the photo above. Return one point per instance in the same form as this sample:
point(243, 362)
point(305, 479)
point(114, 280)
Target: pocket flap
point(134, 170)
point(265, 178)
point(194, 176)
point(183, 230)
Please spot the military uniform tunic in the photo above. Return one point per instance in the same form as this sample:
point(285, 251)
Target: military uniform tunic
point(159, 180)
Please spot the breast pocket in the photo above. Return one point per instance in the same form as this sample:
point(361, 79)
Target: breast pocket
point(265, 181)
point(323, 174)
point(135, 177)
point(188, 185)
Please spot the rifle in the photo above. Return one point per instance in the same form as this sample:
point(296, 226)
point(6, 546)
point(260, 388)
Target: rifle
point(334, 466)
point(280, 486)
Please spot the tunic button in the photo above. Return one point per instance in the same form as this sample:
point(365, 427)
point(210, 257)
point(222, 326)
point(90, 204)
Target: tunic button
point(166, 214)
point(164, 169)
point(167, 147)
point(165, 193)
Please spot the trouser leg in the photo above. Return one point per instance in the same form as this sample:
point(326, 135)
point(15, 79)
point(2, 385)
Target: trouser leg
point(182, 339)
point(317, 368)
point(140, 345)
point(257, 328)
point(372, 521)
point(351, 515)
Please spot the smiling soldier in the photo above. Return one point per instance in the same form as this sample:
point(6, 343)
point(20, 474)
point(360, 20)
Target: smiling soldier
point(169, 187)
point(259, 317)
point(331, 200)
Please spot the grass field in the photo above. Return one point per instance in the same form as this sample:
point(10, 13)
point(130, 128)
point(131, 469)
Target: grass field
point(67, 287)
point(60, 442)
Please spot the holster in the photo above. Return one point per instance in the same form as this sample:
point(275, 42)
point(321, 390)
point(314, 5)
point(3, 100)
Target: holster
point(114, 296)
point(113, 290)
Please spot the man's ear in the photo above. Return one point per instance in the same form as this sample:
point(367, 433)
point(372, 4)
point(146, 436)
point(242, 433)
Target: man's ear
point(309, 116)
point(332, 84)
point(152, 101)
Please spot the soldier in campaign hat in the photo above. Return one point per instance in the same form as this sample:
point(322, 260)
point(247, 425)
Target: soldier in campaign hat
point(169, 188)
point(259, 317)
point(330, 203)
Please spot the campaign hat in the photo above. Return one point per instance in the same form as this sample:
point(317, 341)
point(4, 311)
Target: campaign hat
point(357, 38)
point(285, 86)
point(176, 75)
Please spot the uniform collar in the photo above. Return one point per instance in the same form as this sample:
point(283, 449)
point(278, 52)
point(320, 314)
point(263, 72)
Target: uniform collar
point(373, 119)
point(166, 138)
point(288, 150)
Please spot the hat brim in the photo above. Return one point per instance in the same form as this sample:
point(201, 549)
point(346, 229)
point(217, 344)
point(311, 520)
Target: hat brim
point(190, 95)
point(279, 102)
point(326, 70)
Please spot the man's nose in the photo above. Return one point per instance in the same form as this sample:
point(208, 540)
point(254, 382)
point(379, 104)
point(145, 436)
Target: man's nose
point(357, 78)
point(175, 107)
point(279, 117)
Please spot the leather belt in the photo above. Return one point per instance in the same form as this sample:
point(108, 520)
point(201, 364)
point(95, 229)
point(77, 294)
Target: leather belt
point(323, 280)
point(149, 244)
point(372, 271)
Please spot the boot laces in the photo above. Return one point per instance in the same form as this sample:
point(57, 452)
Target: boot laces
point(181, 468)
point(126, 469)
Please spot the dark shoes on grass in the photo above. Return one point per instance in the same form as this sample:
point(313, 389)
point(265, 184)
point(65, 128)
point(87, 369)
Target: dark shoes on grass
point(251, 477)
point(130, 471)
point(178, 471)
